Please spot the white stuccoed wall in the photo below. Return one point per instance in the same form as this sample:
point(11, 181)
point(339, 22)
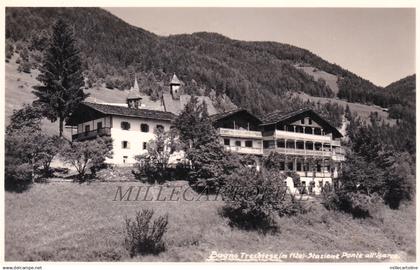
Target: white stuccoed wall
point(134, 136)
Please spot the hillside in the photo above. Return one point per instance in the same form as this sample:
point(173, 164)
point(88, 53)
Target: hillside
point(258, 76)
point(19, 91)
point(330, 79)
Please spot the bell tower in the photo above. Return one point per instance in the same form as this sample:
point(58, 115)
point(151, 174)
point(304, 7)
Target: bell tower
point(134, 97)
point(175, 86)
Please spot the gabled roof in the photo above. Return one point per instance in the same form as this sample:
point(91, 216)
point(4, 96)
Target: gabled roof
point(279, 116)
point(223, 115)
point(106, 109)
point(175, 80)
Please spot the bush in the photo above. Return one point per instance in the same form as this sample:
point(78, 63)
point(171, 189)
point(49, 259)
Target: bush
point(256, 198)
point(88, 155)
point(358, 204)
point(154, 164)
point(147, 168)
point(18, 176)
point(143, 237)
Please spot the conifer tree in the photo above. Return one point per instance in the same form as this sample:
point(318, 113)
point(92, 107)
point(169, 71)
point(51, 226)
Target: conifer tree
point(61, 76)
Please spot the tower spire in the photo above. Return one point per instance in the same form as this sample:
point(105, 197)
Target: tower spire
point(136, 84)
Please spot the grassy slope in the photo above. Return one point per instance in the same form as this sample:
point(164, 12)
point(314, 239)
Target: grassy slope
point(361, 109)
point(69, 222)
point(19, 91)
point(330, 79)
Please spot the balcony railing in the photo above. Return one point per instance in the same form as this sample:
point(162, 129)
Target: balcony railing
point(302, 152)
point(281, 134)
point(240, 133)
point(314, 174)
point(244, 150)
point(338, 157)
point(91, 134)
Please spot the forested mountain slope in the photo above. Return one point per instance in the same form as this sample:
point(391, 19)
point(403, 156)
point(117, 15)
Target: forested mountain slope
point(258, 76)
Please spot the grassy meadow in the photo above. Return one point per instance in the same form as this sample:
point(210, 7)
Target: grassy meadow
point(65, 221)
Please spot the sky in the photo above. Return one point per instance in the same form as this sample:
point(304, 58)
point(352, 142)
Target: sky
point(377, 44)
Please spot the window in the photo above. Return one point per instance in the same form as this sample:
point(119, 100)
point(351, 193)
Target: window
point(160, 128)
point(144, 146)
point(302, 121)
point(238, 143)
point(248, 143)
point(226, 141)
point(125, 145)
point(266, 144)
point(310, 121)
point(125, 125)
point(99, 125)
point(87, 128)
point(144, 128)
point(280, 144)
point(125, 159)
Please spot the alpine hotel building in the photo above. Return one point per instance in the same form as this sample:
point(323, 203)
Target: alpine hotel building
point(309, 144)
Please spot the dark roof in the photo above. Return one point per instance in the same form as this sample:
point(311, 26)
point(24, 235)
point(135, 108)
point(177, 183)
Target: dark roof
point(106, 109)
point(279, 116)
point(219, 116)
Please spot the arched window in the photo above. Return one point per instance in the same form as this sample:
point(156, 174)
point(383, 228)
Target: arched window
point(125, 125)
point(144, 128)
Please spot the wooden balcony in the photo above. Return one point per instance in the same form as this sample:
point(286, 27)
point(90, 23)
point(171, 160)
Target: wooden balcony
point(240, 133)
point(244, 150)
point(91, 134)
point(281, 134)
point(338, 157)
point(336, 143)
point(315, 174)
point(299, 152)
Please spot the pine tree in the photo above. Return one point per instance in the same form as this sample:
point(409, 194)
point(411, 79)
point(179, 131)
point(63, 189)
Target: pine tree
point(61, 76)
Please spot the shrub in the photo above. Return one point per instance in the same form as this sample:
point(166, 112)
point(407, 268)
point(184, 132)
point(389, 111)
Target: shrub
point(255, 198)
point(28, 154)
point(18, 175)
point(25, 148)
point(88, 155)
point(144, 237)
point(358, 204)
point(149, 169)
point(154, 164)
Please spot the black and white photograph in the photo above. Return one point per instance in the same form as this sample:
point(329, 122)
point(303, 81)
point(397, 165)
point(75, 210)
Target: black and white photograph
point(214, 135)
